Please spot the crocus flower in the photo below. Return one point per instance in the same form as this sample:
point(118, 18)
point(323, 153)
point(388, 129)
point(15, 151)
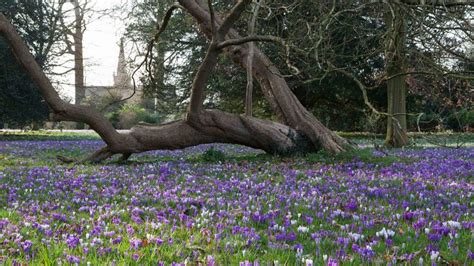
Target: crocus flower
point(26, 245)
point(332, 262)
point(73, 259)
point(72, 241)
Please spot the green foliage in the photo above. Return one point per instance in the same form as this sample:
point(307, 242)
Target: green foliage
point(113, 117)
point(462, 120)
point(47, 135)
point(356, 155)
point(20, 102)
point(131, 114)
point(175, 55)
point(213, 155)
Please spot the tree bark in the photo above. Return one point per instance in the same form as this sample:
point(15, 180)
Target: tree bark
point(396, 135)
point(78, 57)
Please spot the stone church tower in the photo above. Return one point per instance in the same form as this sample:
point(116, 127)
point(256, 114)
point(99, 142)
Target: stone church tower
point(122, 79)
point(122, 87)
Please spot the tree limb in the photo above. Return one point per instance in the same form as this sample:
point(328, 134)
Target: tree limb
point(232, 17)
point(445, 3)
point(247, 39)
point(213, 20)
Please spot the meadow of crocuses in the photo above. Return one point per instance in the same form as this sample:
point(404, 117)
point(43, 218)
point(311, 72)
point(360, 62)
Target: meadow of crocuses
point(173, 208)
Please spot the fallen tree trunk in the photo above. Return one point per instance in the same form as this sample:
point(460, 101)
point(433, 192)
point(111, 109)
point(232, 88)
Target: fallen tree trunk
point(213, 126)
point(303, 132)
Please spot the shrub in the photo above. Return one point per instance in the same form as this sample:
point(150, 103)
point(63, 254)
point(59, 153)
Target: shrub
point(213, 155)
point(131, 114)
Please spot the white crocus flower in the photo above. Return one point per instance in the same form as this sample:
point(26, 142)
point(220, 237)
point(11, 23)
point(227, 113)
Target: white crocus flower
point(453, 224)
point(434, 255)
point(303, 229)
point(420, 261)
point(385, 233)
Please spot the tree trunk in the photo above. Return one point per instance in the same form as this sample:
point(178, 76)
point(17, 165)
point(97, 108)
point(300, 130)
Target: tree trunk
point(78, 57)
point(396, 135)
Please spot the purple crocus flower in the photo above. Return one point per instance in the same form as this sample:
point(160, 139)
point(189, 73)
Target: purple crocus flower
point(135, 257)
point(137, 219)
point(59, 217)
point(117, 240)
point(211, 261)
point(26, 245)
point(470, 254)
point(109, 234)
point(291, 236)
point(280, 237)
point(130, 230)
point(72, 241)
point(135, 243)
point(73, 259)
point(434, 237)
point(408, 215)
point(332, 262)
point(352, 205)
point(419, 224)
point(308, 219)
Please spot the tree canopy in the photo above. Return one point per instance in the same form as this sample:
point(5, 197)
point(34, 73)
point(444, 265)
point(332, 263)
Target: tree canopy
point(336, 61)
point(20, 101)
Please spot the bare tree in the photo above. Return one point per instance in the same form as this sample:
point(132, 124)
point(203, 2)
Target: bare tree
point(300, 131)
point(413, 39)
point(73, 18)
point(78, 35)
point(417, 12)
point(396, 134)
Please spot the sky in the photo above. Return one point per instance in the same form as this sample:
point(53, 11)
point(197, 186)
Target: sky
point(101, 49)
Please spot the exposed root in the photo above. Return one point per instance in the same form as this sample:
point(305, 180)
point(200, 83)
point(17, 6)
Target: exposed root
point(65, 159)
point(97, 157)
point(124, 157)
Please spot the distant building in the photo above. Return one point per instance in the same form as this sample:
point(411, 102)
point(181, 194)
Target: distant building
point(121, 89)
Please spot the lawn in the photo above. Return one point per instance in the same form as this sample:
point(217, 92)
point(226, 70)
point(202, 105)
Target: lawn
point(231, 205)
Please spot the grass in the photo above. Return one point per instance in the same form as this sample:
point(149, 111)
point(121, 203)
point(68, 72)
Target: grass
point(240, 182)
point(43, 135)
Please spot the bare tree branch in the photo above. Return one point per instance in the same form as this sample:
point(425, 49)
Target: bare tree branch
point(247, 39)
point(213, 20)
point(233, 16)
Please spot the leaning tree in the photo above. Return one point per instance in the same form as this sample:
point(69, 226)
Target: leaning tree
point(298, 130)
